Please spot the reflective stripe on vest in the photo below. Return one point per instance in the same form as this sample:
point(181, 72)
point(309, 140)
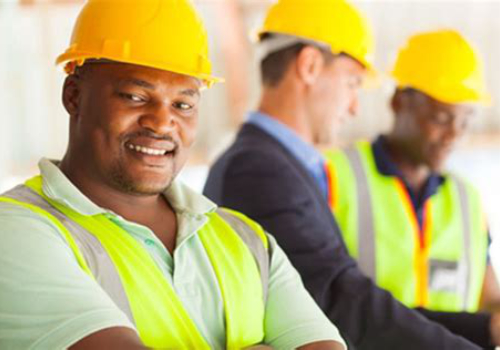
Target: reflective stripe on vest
point(427, 267)
point(236, 247)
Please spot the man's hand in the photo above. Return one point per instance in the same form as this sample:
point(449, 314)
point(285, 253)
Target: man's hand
point(321, 345)
point(495, 328)
point(112, 338)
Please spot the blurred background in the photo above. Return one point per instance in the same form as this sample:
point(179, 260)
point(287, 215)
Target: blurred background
point(33, 123)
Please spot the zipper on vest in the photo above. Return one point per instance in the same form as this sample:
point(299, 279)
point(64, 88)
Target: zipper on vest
point(332, 191)
point(422, 237)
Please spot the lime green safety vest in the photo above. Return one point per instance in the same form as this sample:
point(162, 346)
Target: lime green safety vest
point(236, 246)
point(440, 266)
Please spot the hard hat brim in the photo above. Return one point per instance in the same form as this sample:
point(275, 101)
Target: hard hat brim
point(80, 57)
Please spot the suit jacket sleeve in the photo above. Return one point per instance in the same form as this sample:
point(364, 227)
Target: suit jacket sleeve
point(267, 188)
point(474, 327)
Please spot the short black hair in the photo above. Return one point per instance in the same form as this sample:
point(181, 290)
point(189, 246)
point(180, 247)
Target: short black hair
point(82, 71)
point(274, 66)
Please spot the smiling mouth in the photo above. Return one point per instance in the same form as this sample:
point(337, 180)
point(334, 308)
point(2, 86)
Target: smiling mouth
point(149, 150)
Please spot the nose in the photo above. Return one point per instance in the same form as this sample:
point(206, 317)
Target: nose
point(462, 125)
point(456, 128)
point(159, 118)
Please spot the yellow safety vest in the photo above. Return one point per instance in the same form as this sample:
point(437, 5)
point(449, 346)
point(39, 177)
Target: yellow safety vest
point(236, 246)
point(440, 266)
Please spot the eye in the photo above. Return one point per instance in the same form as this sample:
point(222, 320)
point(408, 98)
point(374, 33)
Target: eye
point(354, 82)
point(442, 118)
point(131, 97)
point(183, 106)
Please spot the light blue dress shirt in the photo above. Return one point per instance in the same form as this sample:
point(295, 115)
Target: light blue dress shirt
point(305, 153)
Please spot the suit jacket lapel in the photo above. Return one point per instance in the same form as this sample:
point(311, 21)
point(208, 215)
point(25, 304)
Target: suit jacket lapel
point(309, 181)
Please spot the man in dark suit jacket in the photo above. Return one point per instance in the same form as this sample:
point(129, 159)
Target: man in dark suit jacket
point(270, 174)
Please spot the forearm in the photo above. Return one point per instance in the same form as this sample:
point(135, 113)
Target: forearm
point(111, 338)
point(323, 345)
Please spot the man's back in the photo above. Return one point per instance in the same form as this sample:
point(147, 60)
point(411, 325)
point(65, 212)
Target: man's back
point(259, 177)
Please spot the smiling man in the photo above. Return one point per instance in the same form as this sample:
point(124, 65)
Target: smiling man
point(105, 249)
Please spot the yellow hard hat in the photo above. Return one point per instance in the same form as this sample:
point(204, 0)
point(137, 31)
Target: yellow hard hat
point(162, 34)
point(443, 65)
point(333, 22)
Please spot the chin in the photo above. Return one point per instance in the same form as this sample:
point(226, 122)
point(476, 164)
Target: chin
point(147, 189)
point(436, 167)
point(326, 138)
point(148, 186)
point(143, 186)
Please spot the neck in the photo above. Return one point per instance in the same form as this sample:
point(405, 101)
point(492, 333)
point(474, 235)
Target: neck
point(127, 205)
point(414, 172)
point(152, 211)
point(285, 104)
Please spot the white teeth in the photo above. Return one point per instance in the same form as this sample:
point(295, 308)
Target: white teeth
point(146, 150)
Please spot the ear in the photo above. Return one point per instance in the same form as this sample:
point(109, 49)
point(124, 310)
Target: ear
point(309, 64)
point(71, 95)
point(399, 102)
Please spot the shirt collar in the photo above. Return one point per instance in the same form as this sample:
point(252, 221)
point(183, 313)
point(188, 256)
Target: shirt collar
point(387, 167)
point(58, 187)
point(304, 152)
point(384, 163)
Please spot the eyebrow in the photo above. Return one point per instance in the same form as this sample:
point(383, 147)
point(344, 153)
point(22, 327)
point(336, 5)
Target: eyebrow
point(145, 84)
point(190, 92)
point(139, 82)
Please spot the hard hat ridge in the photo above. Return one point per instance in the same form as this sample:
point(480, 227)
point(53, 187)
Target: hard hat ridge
point(162, 34)
point(443, 65)
point(335, 23)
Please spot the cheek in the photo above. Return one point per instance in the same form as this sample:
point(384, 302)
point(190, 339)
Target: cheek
point(432, 134)
point(325, 99)
point(108, 135)
point(337, 105)
point(339, 94)
point(188, 129)
point(111, 119)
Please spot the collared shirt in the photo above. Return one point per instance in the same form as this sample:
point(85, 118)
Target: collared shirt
point(386, 166)
point(313, 161)
point(48, 302)
point(305, 153)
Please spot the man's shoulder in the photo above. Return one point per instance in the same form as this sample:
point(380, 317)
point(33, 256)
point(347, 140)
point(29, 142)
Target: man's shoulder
point(254, 162)
point(251, 138)
point(10, 209)
point(253, 147)
point(461, 183)
point(16, 219)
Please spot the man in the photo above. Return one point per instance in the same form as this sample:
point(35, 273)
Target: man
point(415, 230)
point(89, 247)
point(317, 54)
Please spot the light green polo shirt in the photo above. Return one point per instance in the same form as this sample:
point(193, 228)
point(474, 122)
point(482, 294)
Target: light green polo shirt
point(48, 302)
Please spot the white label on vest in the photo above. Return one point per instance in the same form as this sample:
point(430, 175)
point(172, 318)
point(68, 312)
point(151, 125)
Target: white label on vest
point(443, 276)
